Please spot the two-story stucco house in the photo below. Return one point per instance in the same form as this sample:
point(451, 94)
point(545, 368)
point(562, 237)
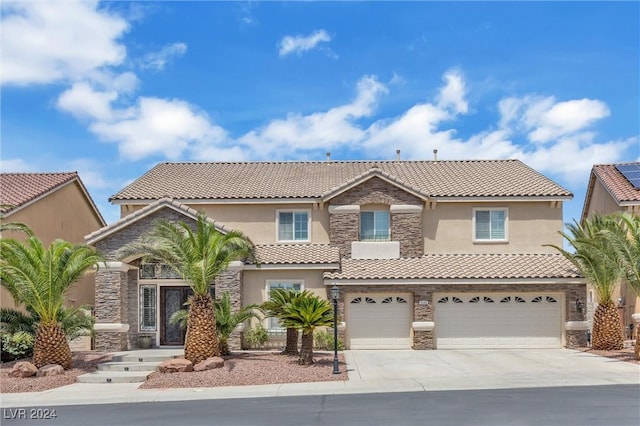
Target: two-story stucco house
point(616, 188)
point(53, 205)
point(427, 254)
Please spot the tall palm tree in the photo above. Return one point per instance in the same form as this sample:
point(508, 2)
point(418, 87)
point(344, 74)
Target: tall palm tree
point(274, 307)
point(596, 259)
point(626, 243)
point(38, 277)
point(226, 320)
point(198, 256)
point(307, 312)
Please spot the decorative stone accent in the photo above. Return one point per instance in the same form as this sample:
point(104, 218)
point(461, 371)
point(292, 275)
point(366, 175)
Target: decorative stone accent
point(376, 191)
point(407, 229)
point(23, 369)
point(423, 325)
point(209, 364)
point(176, 365)
point(343, 230)
point(50, 370)
point(231, 281)
point(576, 338)
point(422, 340)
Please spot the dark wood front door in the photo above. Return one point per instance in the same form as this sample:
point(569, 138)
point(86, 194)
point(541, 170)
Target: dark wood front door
point(171, 300)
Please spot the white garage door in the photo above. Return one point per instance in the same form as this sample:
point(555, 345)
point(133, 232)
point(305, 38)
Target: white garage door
point(494, 320)
point(377, 321)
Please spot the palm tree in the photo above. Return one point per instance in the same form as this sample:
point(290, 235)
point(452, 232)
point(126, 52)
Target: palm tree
point(38, 277)
point(307, 312)
point(626, 243)
point(278, 299)
point(226, 320)
point(198, 257)
point(596, 259)
point(16, 227)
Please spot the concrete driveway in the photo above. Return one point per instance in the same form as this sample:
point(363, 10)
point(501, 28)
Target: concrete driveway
point(489, 369)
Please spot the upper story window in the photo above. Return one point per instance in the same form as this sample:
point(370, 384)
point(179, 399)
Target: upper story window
point(490, 224)
point(374, 225)
point(293, 225)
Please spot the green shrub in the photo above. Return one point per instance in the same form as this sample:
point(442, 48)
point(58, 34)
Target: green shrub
point(17, 345)
point(256, 336)
point(323, 340)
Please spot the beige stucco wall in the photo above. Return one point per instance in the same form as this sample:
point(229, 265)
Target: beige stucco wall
point(254, 288)
point(449, 228)
point(66, 214)
point(601, 201)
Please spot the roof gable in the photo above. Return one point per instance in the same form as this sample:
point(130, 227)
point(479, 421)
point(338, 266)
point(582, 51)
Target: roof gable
point(620, 189)
point(144, 212)
point(198, 182)
point(18, 190)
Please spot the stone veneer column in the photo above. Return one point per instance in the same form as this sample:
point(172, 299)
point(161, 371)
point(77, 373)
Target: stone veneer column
point(111, 307)
point(423, 324)
point(344, 227)
point(575, 327)
point(406, 227)
point(231, 281)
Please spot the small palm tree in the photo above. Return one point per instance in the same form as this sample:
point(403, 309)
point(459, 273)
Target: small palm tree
point(278, 299)
point(596, 259)
point(307, 312)
point(198, 256)
point(39, 277)
point(226, 320)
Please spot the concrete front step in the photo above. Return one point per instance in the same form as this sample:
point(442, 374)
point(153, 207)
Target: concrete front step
point(139, 357)
point(127, 366)
point(115, 377)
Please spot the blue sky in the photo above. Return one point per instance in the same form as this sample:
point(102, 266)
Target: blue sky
point(111, 88)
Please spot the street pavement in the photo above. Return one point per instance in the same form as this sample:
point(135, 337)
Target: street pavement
point(378, 372)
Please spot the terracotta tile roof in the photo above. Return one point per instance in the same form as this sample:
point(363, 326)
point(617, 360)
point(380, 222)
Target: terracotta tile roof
point(272, 180)
point(281, 254)
point(17, 189)
point(619, 187)
point(459, 266)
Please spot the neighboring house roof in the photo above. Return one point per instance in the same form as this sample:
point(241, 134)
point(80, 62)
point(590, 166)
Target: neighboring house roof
point(620, 189)
point(17, 190)
point(321, 180)
point(458, 266)
point(162, 203)
point(287, 254)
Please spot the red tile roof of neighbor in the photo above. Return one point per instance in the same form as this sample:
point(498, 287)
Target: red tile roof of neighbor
point(324, 179)
point(619, 187)
point(17, 189)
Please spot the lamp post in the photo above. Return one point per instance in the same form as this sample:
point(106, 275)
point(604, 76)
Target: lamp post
point(335, 293)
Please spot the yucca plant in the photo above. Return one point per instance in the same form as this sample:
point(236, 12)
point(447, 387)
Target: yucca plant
point(596, 259)
point(306, 313)
point(38, 277)
point(198, 256)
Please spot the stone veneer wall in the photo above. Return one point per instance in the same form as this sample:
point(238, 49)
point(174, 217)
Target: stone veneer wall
point(425, 339)
point(405, 227)
point(231, 281)
point(111, 307)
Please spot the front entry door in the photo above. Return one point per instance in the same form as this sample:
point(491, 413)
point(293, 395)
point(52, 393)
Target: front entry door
point(171, 300)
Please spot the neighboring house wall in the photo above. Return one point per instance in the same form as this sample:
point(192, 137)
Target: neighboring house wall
point(66, 214)
point(624, 295)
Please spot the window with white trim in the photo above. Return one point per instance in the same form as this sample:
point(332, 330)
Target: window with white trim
point(296, 285)
point(490, 224)
point(374, 225)
point(148, 310)
point(293, 225)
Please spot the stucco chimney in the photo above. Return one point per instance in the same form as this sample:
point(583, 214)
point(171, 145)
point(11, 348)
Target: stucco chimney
point(397, 155)
point(435, 155)
point(328, 156)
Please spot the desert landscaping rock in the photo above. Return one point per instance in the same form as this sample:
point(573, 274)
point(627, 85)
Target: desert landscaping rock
point(177, 365)
point(50, 370)
point(23, 369)
point(209, 364)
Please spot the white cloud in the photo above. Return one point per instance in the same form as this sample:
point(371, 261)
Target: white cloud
point(82, 101)
point(44, 42)
point(545, 119)
point(158, 126)
point(157, 60)
point(452, 95)
point(321, 130)
point(15, 165)
point(299, 44)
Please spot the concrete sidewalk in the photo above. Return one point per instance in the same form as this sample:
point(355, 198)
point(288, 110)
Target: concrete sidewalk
point(380, 371)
